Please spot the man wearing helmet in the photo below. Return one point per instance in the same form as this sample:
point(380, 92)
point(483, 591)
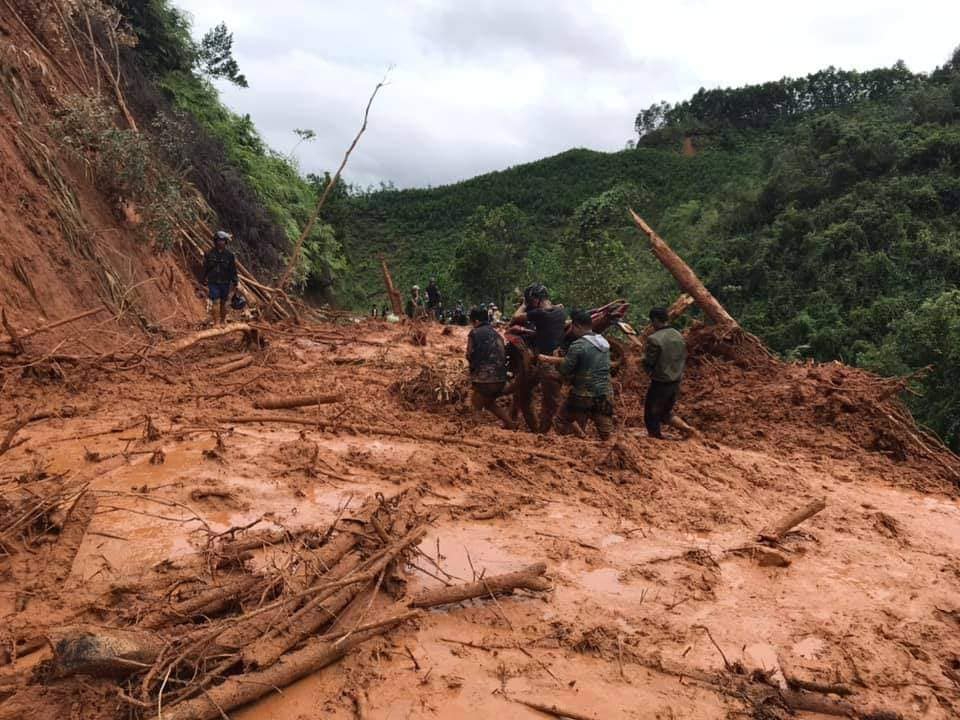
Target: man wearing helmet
point(220, 276)
point(549, 322)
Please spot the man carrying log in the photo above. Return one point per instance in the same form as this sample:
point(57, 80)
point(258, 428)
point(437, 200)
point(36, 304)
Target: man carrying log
point(220, 276)
point(587, 364)
point(549, 322)
point(665, 357)
point(487, 357)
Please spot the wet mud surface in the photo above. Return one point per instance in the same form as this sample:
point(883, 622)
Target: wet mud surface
point(640, 537)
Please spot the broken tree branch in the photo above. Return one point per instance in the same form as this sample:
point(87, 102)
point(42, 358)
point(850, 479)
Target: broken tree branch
point(294, 401)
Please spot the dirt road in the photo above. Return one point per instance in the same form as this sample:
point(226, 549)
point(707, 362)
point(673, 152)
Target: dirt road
point(658, 583)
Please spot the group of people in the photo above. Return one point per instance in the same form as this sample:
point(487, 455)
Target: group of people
point(584, 364)
point(429, 305)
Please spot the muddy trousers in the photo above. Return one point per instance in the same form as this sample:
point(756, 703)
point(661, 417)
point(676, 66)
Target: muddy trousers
point(659, 404)
point(550, 383)
point(483, 396)
point(576, 413)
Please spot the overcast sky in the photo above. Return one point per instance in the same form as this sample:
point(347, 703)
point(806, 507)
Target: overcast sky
point(480, 86)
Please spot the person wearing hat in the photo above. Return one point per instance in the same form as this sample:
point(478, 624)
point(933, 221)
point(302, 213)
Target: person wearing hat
point(415, 308)
point(219, 276)
point(549, 322)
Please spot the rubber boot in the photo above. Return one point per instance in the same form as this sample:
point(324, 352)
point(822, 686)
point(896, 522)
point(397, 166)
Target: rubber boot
point(214, 314)
point(223, 312)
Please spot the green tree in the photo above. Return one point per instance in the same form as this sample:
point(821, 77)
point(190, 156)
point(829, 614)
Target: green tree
point(491, 257)
point(215, 56)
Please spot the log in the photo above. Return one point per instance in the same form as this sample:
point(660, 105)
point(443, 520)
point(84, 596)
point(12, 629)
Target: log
point(243, 689)
point(529, 578)
point(315, 615)
point(104, 652)
point(194, 338)
point(685, 277)
point(780, 528)
point(207, 602)
point(275, 402)
point(232, 366)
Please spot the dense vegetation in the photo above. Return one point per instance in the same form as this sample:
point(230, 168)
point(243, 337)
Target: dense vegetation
point(258, 194)
point(823, 211)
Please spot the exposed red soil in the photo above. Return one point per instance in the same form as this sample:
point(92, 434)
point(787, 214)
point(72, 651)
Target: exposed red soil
point(634, 532)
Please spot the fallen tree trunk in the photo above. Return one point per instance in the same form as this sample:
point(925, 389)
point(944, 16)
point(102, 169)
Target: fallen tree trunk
point(294, 401)
point(316, 614)
point(52, 326)
point(243, 689)
point(194, 338)
point(529, 578)
point(685, 277)
point(390, 432)
point(207, 602)
point(780, 528)
point(104, 652)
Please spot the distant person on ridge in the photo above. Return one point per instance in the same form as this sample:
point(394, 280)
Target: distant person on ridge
point(434, 299)
point(487, 356)
point(587, 364)
point(665, 357)
point(219, 275)
point(415, 309)
point(549, 321)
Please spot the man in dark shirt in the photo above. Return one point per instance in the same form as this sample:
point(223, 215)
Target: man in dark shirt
point(434, 300)
point(587, 365)
point(549, 322)
point(219, 275)
point(665, 357)
point(487, 357)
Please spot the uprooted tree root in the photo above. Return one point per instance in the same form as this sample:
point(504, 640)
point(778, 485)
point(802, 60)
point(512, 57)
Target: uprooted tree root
point(434, 387)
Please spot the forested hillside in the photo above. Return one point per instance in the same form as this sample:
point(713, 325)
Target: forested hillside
point(823, 211)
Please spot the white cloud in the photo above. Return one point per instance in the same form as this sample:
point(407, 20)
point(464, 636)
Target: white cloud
point(485, 84)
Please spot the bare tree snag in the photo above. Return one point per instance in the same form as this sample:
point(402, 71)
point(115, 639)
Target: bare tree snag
point(295, 401)
point(308, 228)
point(685, 277)
point(776, 531)
point(396, 302)
point(105, 652)
point(529, 578)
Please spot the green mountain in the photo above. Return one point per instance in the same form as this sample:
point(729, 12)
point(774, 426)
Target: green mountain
point(824, 212)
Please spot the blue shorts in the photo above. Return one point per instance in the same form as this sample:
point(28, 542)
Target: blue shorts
point(219, 291)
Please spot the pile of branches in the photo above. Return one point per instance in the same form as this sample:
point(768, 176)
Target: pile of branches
point(434, 387)
point(201, 648)
point(34, 509)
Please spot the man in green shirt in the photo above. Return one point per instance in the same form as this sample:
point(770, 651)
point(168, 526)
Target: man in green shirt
point(665, 357)
point(587, 364)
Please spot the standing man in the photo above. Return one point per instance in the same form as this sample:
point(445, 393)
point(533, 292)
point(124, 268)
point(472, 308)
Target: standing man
point(487, 357)
point(587, 364)
point(219, 275)
point(434, 299)
point(414, 307)
point(665, 357)
point(549, 322)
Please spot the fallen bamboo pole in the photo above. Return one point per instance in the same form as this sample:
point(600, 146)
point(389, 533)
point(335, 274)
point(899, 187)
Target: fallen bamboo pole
point(553, 710)
point(685, 277)
point(295, 401)
point(232, 366)
point(194, 338)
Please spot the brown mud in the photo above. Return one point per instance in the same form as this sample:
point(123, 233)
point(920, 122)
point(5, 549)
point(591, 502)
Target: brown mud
point(650, 546)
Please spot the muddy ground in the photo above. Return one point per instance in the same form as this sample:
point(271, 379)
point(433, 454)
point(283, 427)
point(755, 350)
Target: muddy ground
point(639, 536)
